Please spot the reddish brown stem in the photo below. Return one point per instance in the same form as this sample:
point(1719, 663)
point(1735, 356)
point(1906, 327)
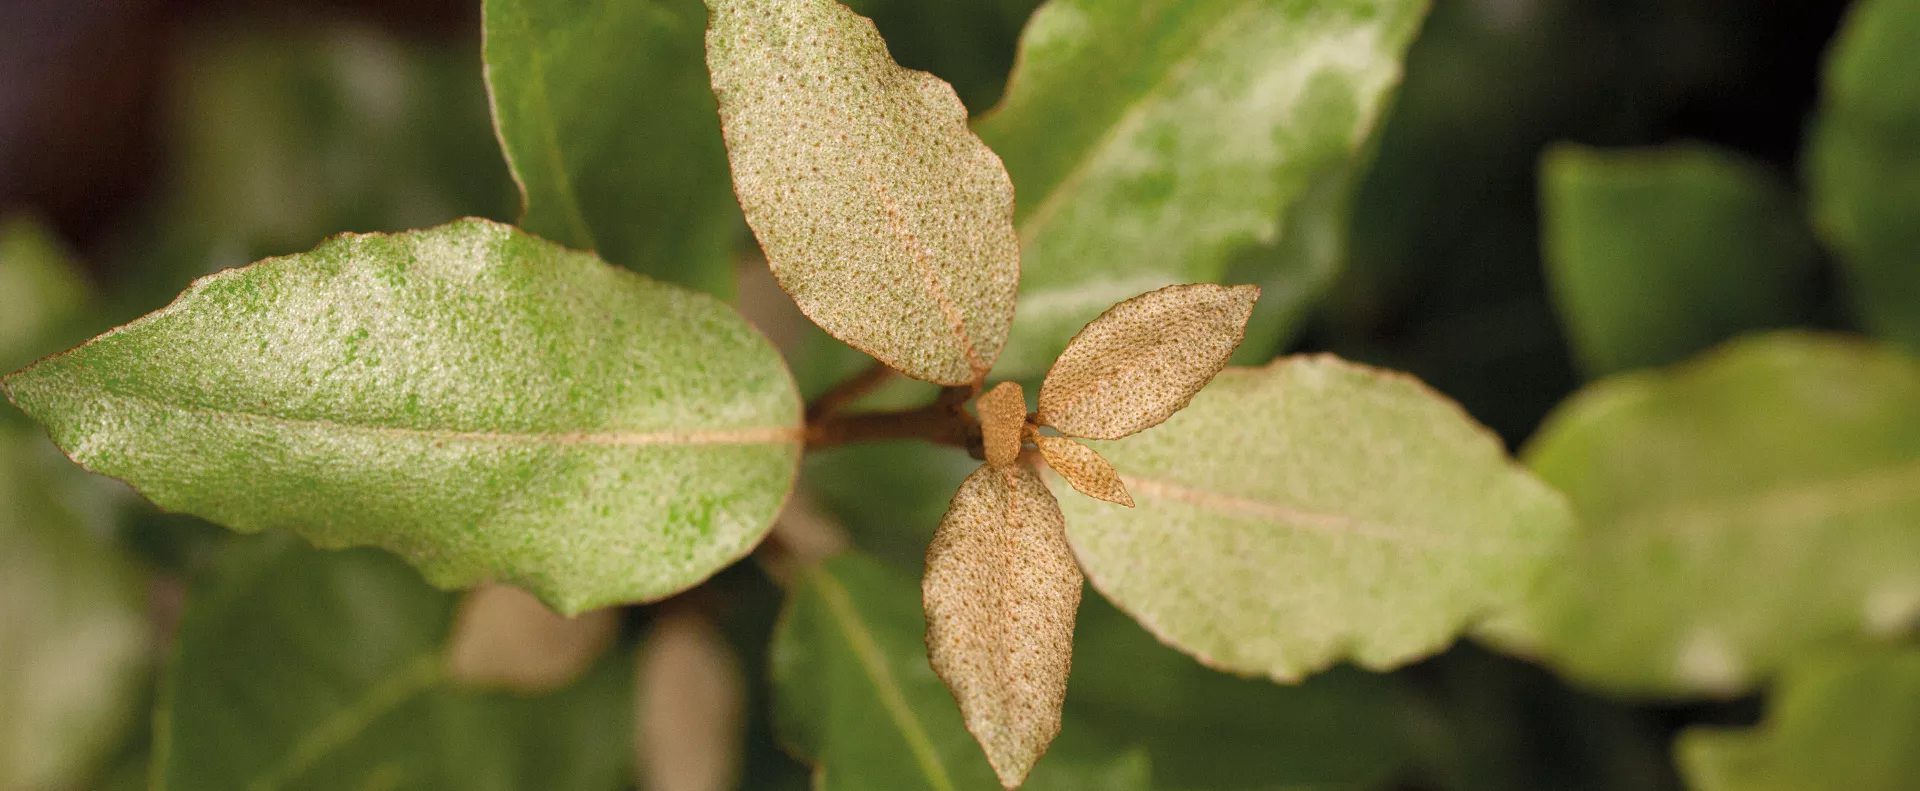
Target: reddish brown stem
point(846, 393)
point(943, 422)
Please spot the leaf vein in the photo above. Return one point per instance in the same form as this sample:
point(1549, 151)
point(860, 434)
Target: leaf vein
point(840, 604)
point(416, 676)
point(751, 435)
point(1275, 512)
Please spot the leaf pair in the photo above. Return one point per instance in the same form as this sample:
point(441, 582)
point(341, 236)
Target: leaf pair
point(1002, 587)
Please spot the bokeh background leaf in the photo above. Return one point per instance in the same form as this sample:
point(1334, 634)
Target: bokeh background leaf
point(1836, 721)
point(1863, 164)
point(1736, 511)
point(300, 668)
point(1120, 194)
point(611, 130)
point(1655, 254)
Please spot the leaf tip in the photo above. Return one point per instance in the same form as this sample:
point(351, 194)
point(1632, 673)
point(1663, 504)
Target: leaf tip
point(1085, 470)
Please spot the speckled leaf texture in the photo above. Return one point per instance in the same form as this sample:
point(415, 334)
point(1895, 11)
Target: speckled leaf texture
point(1141, 360)
point(1003, 421)
point(1842, 721)
point(856, 698)
point(1863, 163)
point(1001, 591)
point(74, 637)
point(1654, 254)
point(297, 669)
point(1314, 511)
point(603, 110)
point(1122, 190)
point(880, 212)
point(486, 404)
point(1085, 470)
point(1735, 512)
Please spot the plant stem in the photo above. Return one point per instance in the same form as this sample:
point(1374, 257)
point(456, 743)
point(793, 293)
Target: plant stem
point(943, 422)
point(845, 393)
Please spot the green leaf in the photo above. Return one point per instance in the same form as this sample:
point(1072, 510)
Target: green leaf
point(1735, 512)
point(890, 496)
point(303, 669)
point(1209, 731)
point(1863, 163)
point(970, 45)
point(486, 404)
point(1314, 511)
point(1157, 143)
point(604, 113)
point(1655, 254)
point(73, 630)
point(1845, 721)
point(40, 290)
point(856, 697)
point(881, 213)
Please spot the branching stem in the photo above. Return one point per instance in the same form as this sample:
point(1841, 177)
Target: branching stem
point(943, 422)
point(844, 394)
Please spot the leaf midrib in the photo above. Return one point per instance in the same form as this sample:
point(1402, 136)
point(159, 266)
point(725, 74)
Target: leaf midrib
point(752, 435)
point(418, 675)
point(873, 662)
point(1284, 515)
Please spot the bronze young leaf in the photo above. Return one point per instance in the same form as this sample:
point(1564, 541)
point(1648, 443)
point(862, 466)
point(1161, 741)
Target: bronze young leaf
point(1143, 359)
point(1003, 415)
point(881, 213)
point(1086, 470)
point(1001, 592)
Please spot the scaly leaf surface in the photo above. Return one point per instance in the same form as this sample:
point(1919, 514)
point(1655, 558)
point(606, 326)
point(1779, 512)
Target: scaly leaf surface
point(1143, 359)
point(881, 213)
point(486, 404)
point(1314, 511)
point(1001, 591)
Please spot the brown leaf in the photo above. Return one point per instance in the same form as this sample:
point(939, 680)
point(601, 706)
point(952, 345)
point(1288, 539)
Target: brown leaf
point(881, 213)
point(505, 637)
point(1143, 359)
point(691, 695)
point(1001, 592)
point(1003, 415)
point(1090, 474)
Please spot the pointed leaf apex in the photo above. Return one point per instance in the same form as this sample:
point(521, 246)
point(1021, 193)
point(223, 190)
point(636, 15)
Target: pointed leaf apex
point(1001, 593)
point(1142, 360)
point(1084, 469)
